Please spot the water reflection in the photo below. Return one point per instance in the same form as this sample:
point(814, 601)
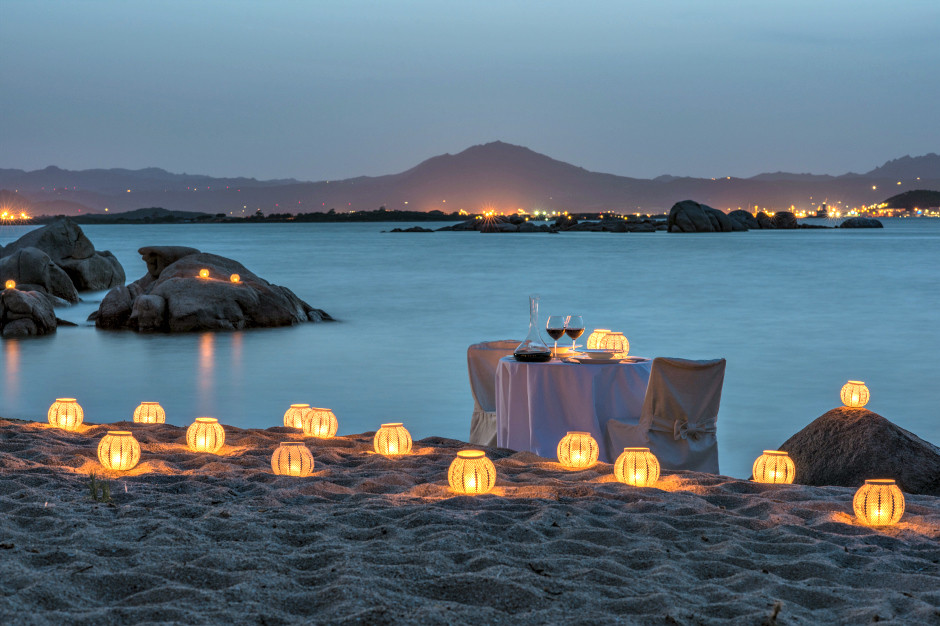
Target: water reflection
point(206, 374)
point(11, 368)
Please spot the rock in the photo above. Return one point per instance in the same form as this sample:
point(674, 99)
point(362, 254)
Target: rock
point(25, 313)
point(861, 222)
point(844, 447)
point(785, 220)
point(528, 227)
point(413, 229)
point(158, 257)
point(764, 220)
point(115, 308)
point(744, 218)
point(34, 270)
point(689, 216)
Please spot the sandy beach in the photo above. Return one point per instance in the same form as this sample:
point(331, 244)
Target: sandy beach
point(200, 538)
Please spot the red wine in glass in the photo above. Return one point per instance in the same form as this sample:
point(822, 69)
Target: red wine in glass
point(555, 327)
point(574, 328)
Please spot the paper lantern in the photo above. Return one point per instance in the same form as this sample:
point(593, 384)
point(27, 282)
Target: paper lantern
point(65, 413)
point(855, 394)
point(294, 417)
point(614, 342)
point(292, 458)
point(775, 467)
point(150, 413)
point(203, 273)
point(577, 450)
point(205, 435)
point(595, 337)
point(235, 278)
point(471, 473)
point(879, 502)
point(320, 423)
point(392, 439)
point(637, 466)
point(118, 450)
point(10, 284)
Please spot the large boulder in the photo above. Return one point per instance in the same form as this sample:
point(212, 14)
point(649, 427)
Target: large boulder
point(861, 222)
point(844, 447)
point(26, 313)
point(745, 219)
point(785, 220)
point(33, 270)
point(690, 216)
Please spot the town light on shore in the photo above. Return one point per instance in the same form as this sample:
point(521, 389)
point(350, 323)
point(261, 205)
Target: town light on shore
point(775, 467)
point(637, 466)
point(595, 337)
point(614, 342)
point(392, 439)
point(10, 284)
point(577, 450)
point(471, 473)
point(118, 450)
point(320, 423)
point(879, 502)
point(855, 394)
point(150, 413)
point(205, 435)
point(203, 273)
point(235, 278)
point(294, 417)
point(292, 458)
point(65, 413)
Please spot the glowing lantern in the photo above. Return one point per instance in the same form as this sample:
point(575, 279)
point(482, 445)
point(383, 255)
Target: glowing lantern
point(292, 458)
point(11, 284)
point(614, 342)
point(320, 423)
point(577, 450)
point(392, 439)
point(471, 473)
point(637, 466)
point(65, 413)
point(150, 413)
point(775, 467)
point(205, 435)
point(203, 273)
point(594, 339)
point(118, 450)
point(855, 394)
point(235, 278)
point(879, 502)
point(294, 417)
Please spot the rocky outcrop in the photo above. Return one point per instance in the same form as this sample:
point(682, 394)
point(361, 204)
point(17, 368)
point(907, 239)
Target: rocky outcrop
point(844, 447)
point(172, 297)
point(861, 222)
point(690, 216)
point(745, 219)
point(33, 270)
point(783, 220)
point(26, 313)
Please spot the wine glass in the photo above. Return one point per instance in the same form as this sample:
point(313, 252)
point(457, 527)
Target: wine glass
point(555, 327)
point(574, 328)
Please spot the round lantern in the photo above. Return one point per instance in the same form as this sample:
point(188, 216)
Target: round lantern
point(392, 439)
point(294, 417)
point(150, 413)
point(775, 467)
point(614, 342)
point(118, 450)
point(205, 435)
point(637, 466)
point(203, 273)
point(471, 473)
point(292, 458)
point(235, 278)
point(577, 450)
point(66, 413)
point(320, 423)
point(879, 502)
point(10, 284)
point(855, 394)
point(595, 337)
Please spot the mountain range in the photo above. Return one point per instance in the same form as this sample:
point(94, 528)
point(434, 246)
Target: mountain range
point(495, 175)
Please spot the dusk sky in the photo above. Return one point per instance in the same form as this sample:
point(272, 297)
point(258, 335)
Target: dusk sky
point(328, 90)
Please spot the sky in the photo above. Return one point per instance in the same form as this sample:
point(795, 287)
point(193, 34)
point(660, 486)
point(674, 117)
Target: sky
point(319, 90)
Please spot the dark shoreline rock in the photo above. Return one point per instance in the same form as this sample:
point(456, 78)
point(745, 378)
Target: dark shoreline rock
point(861, 222)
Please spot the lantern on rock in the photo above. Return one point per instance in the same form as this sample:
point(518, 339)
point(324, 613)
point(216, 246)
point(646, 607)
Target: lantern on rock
point(292, 458)
point(65, 413)
point(203, 273)
point(614, 342)
point(205, 435)
point(471, 473)
point(594, 339)
point(637, 466)
point(118, 450)
point(10, 284)
point(879, 502)
point(150, 413)
point(319, 423)
point(855, 394)
point(392, 439)
point(577, 450)
point(774, 467)
point(235, 278)
point(294, 417)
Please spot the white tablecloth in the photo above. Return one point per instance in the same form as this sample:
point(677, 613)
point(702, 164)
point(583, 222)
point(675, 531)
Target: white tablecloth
point(537, 403)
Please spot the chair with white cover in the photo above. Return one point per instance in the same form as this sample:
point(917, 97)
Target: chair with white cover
point(481, 364)
point(679, 416)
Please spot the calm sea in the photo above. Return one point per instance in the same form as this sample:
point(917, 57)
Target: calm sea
point(795, 313)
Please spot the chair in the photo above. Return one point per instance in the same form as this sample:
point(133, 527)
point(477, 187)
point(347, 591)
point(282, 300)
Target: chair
point(679, 415)
point(481, 364)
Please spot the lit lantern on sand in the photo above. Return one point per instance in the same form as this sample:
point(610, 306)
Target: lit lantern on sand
point(614, 342)
point(203, 273)
point(294, 417)
point(392, 439)
point(471, 473)
point(150, 413)
point(292, 458)
point(205, 435)
point(855, 394)
point(594, 338)
point(65, 413)
point(577, 450)
point(235, 278)
point(10, 284)
point(637, 466)
point(118, 450)
point(320, 423)
point(879, 502)
point(775, 467)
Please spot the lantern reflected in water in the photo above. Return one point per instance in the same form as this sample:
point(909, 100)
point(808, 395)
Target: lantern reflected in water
point(614, 342)
point(235, 278)
point(855, 394)
point(65, 413)
point(392, 439)
point(637, 466)
point(10, 284)
point(471, 473)
point(205, 435)
point(292, 458)
point(577, 450)
point(118, 450)
point(774, 467)
point(203, 273)
point(321, 423)
point(594, 339)
point(294, 417)
point(879, 502)
point(150, 413)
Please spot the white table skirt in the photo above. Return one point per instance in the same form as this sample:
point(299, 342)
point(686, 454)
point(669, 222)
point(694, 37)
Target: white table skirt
point(537, 403)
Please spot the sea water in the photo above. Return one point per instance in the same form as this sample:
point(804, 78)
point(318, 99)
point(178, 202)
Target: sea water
point(796, 314)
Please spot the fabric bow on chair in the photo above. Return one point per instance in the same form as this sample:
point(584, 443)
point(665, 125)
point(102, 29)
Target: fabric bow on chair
point(681, 429)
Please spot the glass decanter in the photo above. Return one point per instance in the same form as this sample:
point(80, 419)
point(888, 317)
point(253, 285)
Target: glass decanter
point(533, 349)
